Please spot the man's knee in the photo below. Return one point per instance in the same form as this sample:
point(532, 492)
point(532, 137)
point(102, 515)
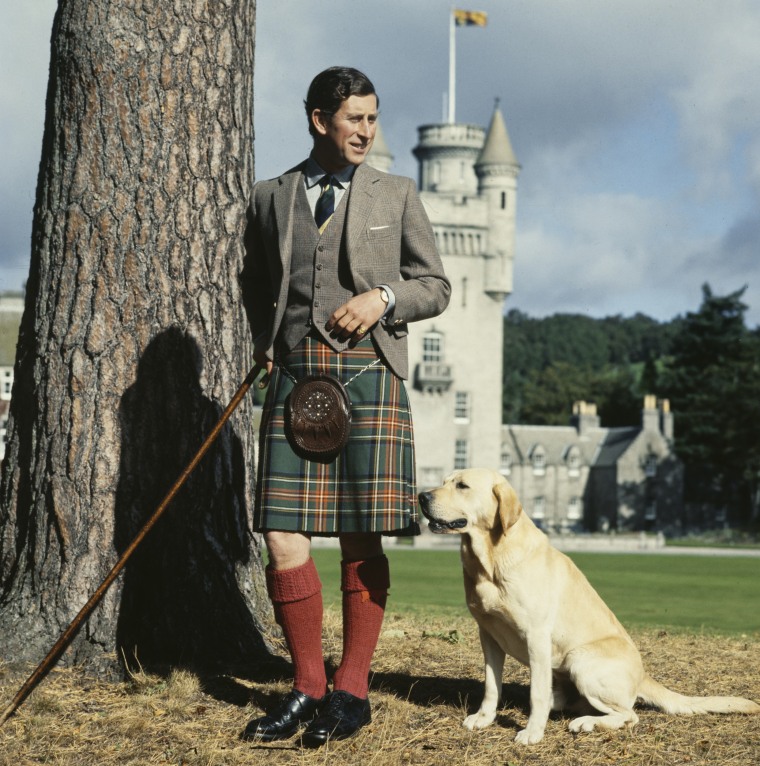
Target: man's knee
point(359, 547)
point(287, 550)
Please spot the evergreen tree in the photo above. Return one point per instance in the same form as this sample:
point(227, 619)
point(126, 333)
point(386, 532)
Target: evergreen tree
point(712, 382)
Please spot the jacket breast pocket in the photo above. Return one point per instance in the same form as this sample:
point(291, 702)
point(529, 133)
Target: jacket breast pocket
point(382, 232)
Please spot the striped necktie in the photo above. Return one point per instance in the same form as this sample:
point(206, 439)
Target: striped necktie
point(326, 203)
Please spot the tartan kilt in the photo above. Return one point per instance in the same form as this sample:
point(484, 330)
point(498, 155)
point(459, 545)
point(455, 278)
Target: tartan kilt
point(370, 486)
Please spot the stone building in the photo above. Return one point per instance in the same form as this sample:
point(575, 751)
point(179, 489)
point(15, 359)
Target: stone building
point(11, 308)
point(583, 476)
point(468, 184)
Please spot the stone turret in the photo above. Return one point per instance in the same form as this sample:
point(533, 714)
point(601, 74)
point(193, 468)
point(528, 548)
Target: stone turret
point(379, 156)
point(446, 154)
point(497, 170)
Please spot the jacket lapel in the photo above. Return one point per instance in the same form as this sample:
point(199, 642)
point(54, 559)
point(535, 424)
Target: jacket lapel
point(360, 202)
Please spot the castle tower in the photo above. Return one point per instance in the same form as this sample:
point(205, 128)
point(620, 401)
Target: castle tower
point(468, 184)
point(446, 155)
point(380, 157)
point(497, 170)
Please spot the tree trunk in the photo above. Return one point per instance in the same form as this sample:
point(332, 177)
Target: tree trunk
point(133, 340)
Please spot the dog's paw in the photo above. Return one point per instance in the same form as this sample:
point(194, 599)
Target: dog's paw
point(478, 720)
point(584, 723)
point(529, 736)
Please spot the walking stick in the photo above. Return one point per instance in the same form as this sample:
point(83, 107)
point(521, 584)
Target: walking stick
point(44, 667)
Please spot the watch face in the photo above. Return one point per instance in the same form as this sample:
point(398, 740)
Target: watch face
point(384, 295)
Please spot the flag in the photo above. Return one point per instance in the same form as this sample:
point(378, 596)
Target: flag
point(470, 18)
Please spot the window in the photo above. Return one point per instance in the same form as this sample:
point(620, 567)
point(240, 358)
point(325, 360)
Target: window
point(432, 347)
point(461, 454)
point(575, 509)
point(464, 292)
point(538, 460)
point(650, 466)
point(573, 460)
point(539, 507)
point(462, 406)
point(503, 200)
point(650, 513)
point(505, 462)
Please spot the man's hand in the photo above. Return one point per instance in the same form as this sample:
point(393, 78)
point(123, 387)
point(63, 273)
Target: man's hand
point(260, 357)
point(355, 318)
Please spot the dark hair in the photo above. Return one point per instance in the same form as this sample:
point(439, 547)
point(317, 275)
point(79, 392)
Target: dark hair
point(329, 89)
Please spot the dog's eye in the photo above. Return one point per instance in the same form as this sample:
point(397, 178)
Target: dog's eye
point(462, 485)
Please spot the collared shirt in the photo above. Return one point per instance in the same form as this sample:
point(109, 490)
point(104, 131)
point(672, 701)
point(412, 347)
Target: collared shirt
point(313, 174)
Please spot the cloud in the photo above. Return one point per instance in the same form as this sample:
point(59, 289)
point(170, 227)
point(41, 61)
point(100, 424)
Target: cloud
point(637, 126)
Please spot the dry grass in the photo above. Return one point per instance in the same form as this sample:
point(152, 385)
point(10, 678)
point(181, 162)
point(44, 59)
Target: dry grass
point(426, 677)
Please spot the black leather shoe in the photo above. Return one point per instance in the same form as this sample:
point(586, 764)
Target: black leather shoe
point(340, 717)
point(283, 722)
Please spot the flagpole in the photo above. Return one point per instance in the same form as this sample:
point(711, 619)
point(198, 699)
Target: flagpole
point(452, 67)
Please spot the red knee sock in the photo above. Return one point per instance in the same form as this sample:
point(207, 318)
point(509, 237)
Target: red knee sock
point(297, 599)
point(365, 589)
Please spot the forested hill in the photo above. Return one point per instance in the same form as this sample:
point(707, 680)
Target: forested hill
point(550, 363)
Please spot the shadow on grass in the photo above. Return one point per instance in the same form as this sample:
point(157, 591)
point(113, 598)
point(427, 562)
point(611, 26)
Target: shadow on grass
point(423, 691)
point(431, 691)
point(225, 687)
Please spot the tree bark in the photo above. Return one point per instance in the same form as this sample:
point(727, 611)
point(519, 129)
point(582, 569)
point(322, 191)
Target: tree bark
point(133, 340)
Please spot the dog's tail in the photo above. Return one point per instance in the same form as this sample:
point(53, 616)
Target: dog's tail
point(654, 693)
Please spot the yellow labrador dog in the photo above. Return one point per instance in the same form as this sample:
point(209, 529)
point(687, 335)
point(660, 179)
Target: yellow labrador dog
point(532, 602)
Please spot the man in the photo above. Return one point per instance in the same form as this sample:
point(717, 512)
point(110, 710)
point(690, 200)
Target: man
point(340, 259)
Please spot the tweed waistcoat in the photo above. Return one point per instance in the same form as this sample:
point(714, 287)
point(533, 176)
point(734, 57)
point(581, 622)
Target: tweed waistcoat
point(320, 279)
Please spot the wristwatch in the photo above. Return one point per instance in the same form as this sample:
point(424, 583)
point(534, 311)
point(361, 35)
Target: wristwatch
point(384, 295)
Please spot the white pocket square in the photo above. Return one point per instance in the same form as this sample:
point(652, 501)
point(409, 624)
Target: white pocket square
point(377, 228)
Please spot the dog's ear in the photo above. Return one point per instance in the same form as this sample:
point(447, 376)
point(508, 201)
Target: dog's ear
point(508, 505)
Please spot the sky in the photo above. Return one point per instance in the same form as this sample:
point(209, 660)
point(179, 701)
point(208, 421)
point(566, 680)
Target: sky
point(636, 123)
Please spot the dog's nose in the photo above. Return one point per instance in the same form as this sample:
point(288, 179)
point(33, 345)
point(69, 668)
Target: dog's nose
point(424, 498)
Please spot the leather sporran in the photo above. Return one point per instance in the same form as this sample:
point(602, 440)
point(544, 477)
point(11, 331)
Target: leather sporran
point(318, 418)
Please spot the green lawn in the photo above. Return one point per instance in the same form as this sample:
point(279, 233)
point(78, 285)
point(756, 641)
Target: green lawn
point(713, 594)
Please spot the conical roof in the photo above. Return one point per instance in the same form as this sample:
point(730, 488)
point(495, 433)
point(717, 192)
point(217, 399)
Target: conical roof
point(497, 149)
point(380, 154)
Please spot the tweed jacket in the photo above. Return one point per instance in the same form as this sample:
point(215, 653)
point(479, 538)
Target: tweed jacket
point(389, 240)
